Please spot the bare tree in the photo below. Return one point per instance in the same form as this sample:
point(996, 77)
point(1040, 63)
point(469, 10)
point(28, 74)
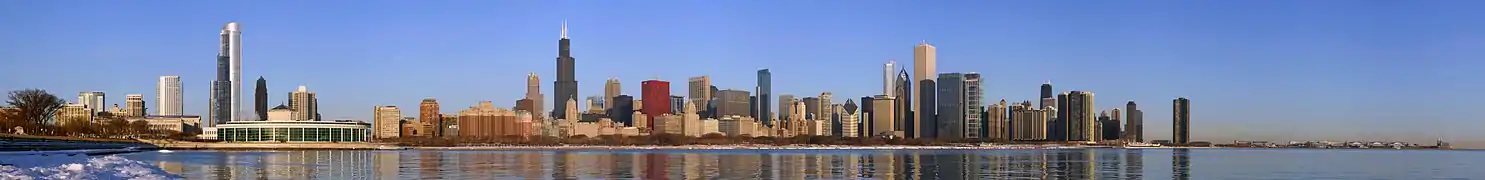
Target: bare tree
point(34, 106)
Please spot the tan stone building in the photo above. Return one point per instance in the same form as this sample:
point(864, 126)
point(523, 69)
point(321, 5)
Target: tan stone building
point(386, 122)
point(882, 115)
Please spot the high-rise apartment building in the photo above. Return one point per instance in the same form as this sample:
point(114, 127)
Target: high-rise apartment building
point(566, 86)
point(168, 96)
point(925, 67)
point(699, 90)
point(304, 104)
point(533, 92)
point(1134, 129)
point(765, 96)
point(428, 114)
point(1079, 117)
point(656, 96)
point(387, 121)
point(1181, 120)
point(997, 127)
point(260, 99)
point(93, 100)
point(1030, 124)
point(135, 105)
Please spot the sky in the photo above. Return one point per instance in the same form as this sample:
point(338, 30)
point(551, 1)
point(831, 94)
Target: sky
point(1254, 70)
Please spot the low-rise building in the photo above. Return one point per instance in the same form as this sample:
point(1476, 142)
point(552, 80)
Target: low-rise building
point(175, 123)
point(290, 131)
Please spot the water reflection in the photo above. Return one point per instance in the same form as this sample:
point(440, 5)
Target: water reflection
point(668, 164)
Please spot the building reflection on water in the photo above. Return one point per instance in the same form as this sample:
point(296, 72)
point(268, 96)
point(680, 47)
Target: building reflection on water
point(645, 164)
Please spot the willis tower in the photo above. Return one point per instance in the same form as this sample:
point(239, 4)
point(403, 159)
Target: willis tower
point(565, 86)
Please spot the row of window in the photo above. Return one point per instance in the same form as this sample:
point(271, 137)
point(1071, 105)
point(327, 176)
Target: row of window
point(292, 134)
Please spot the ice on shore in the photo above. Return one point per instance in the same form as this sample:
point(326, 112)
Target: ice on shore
point(78, 167)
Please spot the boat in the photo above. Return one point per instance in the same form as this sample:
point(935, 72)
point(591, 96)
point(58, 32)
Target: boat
point(1140, 145)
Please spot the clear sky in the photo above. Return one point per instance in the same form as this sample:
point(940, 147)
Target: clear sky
point(1261, 69)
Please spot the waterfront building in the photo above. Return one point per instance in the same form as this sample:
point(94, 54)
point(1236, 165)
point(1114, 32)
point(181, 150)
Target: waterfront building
point(951, 120)
point(168, 97)
point(1030, 124)
point(925, 63)
point(172, 123)
point(1181, 120)
point(291, 131)
point(232, 49)
point(411, 127)
point(641, 121)
point(882, 117)
point(850, 119)
point(1134, 128)
point(1057, 128)
point(93, 100)
point(134, 105)
point(305, 104)
point(733, 103)
point(736, 125)
point(656, 95)
point(485, 120)
point(927, 119)
point(690, 121)
point(699, 90)
point(385, 123)
point(525, 125)
point(764, 97)
point(1110, 124)
point(71, 113)
point(998, 128)
point(621, 110)
point(533, 92)
point(1079, 117)
point(260, 99)
point(974, 106)
point(566, 86)
point(611, 89)
point(428, 113)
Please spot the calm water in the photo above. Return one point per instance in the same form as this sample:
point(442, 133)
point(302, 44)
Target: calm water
point(826, 164)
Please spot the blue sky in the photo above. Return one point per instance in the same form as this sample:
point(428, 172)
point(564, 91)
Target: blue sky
point(1277, 70)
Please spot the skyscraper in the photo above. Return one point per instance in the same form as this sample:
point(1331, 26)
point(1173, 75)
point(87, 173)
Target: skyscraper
point(260, 99)
point(533, 92)
point(882, 111)
point(135, 105)
point(1181, 117)
point(786, 103)
point(386, 122)
point(565, 88)
point(611, 89)
point(428, 114)
point(997, 127)
point(927, 113)
point(1046, 98)
point(168, 96)
point(233, 34)
point(656, 96)
point(1079, 117)
point(699, 90)
point(825, 103)
point(1111, 127)
point(1134, 129)
point(677, 104)
point(732, 102)
point(765, 94)
point(950, 103)
point(223, 105)
point(621, 109)
point(925, 63)
point(974, 106)
point(304, 104)
point(903, 103)
point(888, 82)
point(92, 100)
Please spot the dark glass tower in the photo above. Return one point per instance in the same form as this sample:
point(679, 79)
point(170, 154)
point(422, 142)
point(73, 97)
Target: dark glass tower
point(927, 112)
point(866, 118)
point(260, 99)
point(765, 94)
point(950, 102)
point(1134, 125)
point(622, 110)
point(904, 94)
point(1057, 129)
point(565, 88)
point(1181, 115)
point(221, 88)
point(1046, 93)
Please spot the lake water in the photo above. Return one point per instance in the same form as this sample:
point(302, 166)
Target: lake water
point(826, 164)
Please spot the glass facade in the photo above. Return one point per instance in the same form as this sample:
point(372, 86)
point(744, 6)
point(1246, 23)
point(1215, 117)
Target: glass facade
point(293, 132)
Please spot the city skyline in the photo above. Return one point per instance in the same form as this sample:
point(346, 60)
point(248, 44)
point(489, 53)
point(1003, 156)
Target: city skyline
point(1226, 111)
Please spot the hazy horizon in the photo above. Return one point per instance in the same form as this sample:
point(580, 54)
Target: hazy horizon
point(1254, 70)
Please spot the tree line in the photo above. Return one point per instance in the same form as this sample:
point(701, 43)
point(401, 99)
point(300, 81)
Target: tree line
point(33, 112)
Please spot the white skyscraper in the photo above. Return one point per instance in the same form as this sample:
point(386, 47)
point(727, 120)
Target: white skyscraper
point(168, 96)
point(92, 100)
point(234, 43)
point(887, 74)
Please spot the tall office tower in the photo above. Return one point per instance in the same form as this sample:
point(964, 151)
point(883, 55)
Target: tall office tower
point(538, 100)
point(732, 103)
point(656, 96)
point(677, 104)
point(92, 100)
point(621, 110)
point(950, 103)
point(387, 121)
point(925, 67)
point(303, 103)
point(752, 106)
point(825, 103)
point(260, 99)
point(1079, 117)
point(927, 119)
point(168, 96)
point(811, 106)
point(865, 128)
point(1030, 123)
point(222, 106)
point(903, 91)
point(1057, 128)
point(997, 127)
point(888, 82)
point(765, 96)
point(974, 105)
point(611, 89)
point(1181, 117)
point(565, 88)
point(882, 116)
point(428, 114)
point(786, 104)
point(1111, 130)
point(135, 105)
point(850, 119)
point(233, 36)
point(1134, 129)
point(1046, 93)
point(699, 89)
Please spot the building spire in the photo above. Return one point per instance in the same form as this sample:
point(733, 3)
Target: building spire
point(564, 28)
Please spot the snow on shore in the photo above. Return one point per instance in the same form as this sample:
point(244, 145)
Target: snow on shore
point(76, 166)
